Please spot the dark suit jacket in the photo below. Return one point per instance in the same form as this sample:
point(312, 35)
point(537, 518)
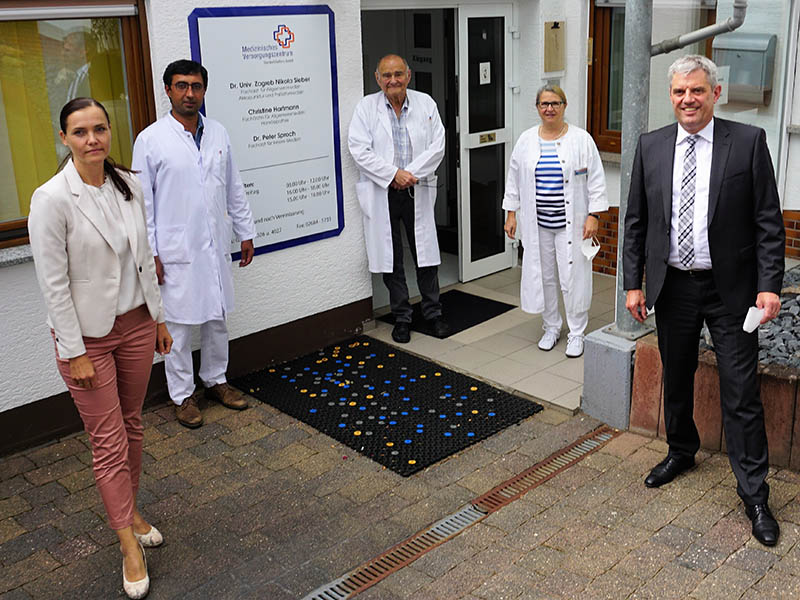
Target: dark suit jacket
point(745, 223)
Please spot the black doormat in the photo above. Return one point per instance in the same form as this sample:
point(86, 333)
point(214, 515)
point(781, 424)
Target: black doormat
point(401, 411)
point(460, 309)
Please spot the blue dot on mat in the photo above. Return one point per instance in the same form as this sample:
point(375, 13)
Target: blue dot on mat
point(404, 413)
point(458, 414)
point(292, 380)
point(407, 441)
point(419, 430)
point(491, 414)
point(448, 395)
point(363, 377)
point(447, 387)
point(401, 387)
point(392, 422)
point(463, 397)
point(387, 381)
point(362, 408)
point(342, 425)
point(324, 391)
point(306, 368)
point(447, 434)
point(442, 416)
point(406, 399)
point(420, 425)
point(470, 434)
point(313, 410)
point(284, 376)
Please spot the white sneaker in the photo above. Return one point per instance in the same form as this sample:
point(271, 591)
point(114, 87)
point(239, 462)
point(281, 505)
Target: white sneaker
point(574, 347)
point(548, 341)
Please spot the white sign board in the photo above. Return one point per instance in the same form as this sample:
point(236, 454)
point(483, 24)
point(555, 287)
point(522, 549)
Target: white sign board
point(272, 84)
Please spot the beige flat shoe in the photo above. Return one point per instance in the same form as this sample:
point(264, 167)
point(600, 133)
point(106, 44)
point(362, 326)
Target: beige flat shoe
point(136, 589)
point(151, 539)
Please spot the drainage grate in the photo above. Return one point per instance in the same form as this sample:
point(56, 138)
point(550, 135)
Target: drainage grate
point(507, 492)
point(406, 552)
point(398, 556)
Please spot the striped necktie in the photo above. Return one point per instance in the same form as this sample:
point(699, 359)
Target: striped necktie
point(686, 212)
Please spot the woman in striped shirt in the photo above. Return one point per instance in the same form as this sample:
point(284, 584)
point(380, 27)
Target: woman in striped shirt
point(554, 192)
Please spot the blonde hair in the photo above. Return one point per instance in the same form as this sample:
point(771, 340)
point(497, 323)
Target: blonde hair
point(554, 89)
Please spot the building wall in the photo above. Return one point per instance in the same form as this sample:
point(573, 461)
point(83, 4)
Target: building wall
point(277, 288)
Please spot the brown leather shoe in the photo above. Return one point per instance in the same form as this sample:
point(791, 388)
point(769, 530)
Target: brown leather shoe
point(188, 413)
point(227, 396)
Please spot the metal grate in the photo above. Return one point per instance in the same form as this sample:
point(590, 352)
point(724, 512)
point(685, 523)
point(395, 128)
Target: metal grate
point(518, 485)
point(406, 552)
point(398, 556)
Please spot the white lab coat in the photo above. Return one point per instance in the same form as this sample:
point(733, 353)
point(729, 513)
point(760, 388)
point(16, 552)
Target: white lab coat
point(192, 197)
point(370, 142)
point(584, 193)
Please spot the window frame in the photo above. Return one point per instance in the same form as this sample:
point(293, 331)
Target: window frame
point(138, 69)
point(598, 71)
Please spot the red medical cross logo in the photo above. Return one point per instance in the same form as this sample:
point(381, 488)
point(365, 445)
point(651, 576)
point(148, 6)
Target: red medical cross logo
point(283, 35)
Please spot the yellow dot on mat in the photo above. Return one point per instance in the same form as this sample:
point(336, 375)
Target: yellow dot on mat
point(272, 370)
point(341, 385)
point(391, 356)
point(473, 389)
point(356, 433)
point(422, 376)
point(380, 366)
point(312, 395)
point(437, 374)
point(474, 412)
point(369, 396)
point(361, 362)
point(352, 404)
point(390, 444)
point(366, 343)
point(412, 462)
point(303, 391)
point(349, 356)
point(251, 390)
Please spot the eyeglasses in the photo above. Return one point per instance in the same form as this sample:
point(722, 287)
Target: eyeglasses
point(549, 104)
point(182, 86)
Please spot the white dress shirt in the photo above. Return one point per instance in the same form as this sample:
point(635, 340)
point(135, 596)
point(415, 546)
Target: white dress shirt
point(703, 149)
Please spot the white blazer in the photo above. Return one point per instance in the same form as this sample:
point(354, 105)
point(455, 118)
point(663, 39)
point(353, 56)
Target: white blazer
point(584, 193)
point(78, 272)
point(370, 142)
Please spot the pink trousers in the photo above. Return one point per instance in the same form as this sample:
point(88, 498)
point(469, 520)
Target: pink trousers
point(112, 411)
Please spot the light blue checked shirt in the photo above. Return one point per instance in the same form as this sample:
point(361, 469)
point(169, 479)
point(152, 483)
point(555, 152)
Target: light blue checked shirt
point(400, 138)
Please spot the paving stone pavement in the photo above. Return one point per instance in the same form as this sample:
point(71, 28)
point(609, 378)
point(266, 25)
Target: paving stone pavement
point(255, 504)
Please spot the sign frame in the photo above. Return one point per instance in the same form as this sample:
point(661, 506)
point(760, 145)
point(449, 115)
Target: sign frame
point(256, 11)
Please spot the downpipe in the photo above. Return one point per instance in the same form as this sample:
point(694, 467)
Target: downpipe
point(733, 22)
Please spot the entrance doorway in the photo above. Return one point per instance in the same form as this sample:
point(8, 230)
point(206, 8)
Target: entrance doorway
point(440, 45)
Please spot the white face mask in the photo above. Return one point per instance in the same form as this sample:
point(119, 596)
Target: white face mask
point(590, 247)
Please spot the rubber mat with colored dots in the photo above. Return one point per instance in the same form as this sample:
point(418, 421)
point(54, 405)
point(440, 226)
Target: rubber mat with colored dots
point(400, 410)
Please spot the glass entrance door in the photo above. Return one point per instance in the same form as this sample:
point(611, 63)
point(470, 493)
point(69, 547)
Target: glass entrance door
point(485, 137)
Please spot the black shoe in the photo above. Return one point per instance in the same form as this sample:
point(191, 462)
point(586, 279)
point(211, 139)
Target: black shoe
point(765, 527)
point(667, 470)
point(439, 327)
point(401, 333)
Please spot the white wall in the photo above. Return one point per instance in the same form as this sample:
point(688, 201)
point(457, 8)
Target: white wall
point(276, 288)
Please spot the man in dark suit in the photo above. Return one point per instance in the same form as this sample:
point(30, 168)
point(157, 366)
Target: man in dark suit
point(704, 222)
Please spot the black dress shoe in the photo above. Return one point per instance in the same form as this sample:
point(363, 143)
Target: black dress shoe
point(401, 333)
point(439, 327)
point(765, 527)
point(667, 470)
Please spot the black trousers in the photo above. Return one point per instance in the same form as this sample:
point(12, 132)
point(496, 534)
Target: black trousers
point(685, 301)
point(401, 216)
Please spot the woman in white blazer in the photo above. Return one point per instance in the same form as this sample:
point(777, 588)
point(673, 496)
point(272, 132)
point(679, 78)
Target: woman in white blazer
point(96, 272)
point(554, 192)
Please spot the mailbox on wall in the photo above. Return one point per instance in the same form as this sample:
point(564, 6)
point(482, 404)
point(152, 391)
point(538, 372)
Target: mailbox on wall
point(751, 57)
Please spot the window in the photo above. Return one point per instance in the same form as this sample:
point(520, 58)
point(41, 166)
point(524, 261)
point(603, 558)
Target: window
point(607, 35)
point(46, 62)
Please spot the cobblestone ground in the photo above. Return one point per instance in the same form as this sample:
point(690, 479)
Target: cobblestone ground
point(258, 505)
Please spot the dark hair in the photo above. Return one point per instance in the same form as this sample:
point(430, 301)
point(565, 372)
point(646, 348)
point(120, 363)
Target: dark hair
point(110, 168)
point(185, 67)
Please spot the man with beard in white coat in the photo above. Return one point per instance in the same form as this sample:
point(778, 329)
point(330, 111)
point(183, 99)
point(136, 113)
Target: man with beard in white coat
point(397, 140)
point(193, 193)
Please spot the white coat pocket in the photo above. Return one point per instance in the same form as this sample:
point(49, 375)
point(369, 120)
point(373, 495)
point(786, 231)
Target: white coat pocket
point(172, 245)
point(365, 190)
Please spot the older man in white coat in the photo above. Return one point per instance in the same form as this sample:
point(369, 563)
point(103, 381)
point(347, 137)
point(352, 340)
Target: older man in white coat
point(397, 139)
point(193, 193)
